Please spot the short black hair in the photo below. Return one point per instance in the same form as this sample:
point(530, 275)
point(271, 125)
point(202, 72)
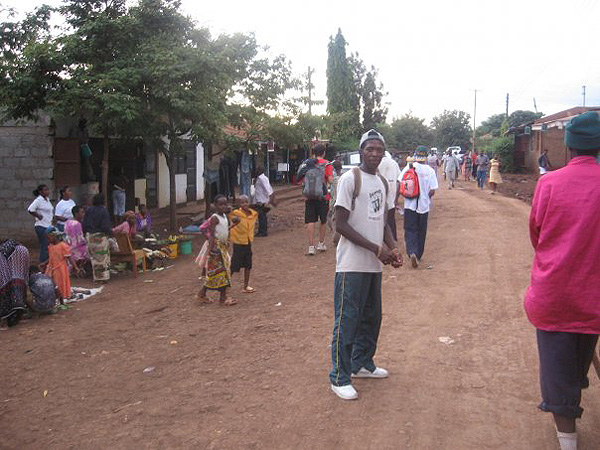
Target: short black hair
point(98, 200)
point(219, 197)
point(319, 150)
point(75, 209)
point(62, 191)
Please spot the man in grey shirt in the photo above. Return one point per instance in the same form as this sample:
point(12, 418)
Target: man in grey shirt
point(481, 162)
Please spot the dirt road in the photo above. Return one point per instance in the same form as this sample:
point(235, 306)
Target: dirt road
point(254, 376)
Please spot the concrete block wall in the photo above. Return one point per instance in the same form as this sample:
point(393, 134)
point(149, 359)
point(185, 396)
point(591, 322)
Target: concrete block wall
point(25, 162)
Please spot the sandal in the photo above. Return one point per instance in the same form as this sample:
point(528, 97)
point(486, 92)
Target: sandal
point(204, 299)
point(248, 290)
point(230, 301)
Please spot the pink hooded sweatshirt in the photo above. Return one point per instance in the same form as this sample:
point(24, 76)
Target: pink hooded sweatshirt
point(564, 226)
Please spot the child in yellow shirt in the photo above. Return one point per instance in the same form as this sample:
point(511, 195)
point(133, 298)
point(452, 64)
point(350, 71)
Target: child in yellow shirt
point(242, 236)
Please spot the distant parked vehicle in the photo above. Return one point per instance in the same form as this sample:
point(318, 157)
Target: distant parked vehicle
point(349, 160)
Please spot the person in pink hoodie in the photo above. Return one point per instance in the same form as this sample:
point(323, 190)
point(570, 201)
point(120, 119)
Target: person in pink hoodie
point(563, 300)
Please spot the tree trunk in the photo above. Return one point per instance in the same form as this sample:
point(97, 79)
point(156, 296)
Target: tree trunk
point(172, 191)
point(104, 167)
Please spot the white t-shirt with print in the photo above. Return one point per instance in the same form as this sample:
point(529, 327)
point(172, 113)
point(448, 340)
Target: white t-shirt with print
point(63, 209)
point(367, 219)
point(43, 207)
point(427, 181)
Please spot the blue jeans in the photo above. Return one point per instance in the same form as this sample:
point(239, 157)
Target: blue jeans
point(481, 174)
point(357, 301)
point(43, 240)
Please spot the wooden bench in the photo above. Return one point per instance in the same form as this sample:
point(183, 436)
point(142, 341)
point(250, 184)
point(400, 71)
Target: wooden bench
point(127, 254)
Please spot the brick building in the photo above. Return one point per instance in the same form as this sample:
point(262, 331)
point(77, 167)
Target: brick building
point(547, 133)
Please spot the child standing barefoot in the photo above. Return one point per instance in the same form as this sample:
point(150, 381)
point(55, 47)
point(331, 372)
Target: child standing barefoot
point(241, 237)
point(218, 274)
point(59, 253)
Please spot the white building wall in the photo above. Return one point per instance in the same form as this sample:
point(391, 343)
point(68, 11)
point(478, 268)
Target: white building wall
point(163, 184)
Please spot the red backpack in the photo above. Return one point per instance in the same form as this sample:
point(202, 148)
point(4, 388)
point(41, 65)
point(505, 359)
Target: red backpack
point(409, 186)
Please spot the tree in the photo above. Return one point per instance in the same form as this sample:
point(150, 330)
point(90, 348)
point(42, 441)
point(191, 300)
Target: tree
point(491, 125)
point(340, 88)
point(368, 93)
point(521, 117)
point(408, 132)
point(452, 128)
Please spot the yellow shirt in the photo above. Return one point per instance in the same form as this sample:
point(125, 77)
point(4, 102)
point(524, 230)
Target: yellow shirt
point(243, 232)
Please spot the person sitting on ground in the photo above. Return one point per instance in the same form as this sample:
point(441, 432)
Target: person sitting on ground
point(143, 223)
point(562, 301)
point(242, 236)
point(217, 260)
point(14, 263)
point(43, 292)
point(127, 226)
point(76, 239)
point(59, 253)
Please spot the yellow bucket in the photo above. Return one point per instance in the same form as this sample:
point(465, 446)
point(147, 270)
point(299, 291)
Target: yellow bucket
point(173, 250)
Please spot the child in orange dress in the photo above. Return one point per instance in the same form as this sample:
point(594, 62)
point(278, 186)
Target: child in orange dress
point(59, 253)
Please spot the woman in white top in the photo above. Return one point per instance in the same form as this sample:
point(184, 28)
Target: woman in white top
point(63, 212)
point(43, 211)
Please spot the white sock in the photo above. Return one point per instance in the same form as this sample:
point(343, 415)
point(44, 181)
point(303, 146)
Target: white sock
point(567, 441)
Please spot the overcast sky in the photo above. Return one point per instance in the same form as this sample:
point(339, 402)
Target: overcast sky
point(431, 55)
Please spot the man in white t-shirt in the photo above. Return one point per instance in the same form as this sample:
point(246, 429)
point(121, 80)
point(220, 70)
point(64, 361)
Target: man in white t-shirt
point(416, 210)
point(390, 170)
point(366, 244)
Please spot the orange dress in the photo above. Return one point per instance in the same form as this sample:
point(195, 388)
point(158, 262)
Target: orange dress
point(58, 269)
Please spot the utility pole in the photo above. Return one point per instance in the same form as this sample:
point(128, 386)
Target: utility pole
point(534, 105)
point(583, 93)
point(474, 116)
point(310, 87)
point(506, 106)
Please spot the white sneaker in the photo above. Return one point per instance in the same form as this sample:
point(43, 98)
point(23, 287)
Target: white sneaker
point(311, 250)
point(379, 372)
point(345, 392)
point(321, 246)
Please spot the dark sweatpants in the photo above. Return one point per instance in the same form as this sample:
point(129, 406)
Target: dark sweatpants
point(415, 231)
point(565, 359)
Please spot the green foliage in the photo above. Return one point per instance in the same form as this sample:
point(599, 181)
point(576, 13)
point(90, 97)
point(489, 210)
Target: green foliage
point(491, 125)
point(504, 148)
point(521, 117)
point(408, 132)
point(340, 88)
point(452, 128)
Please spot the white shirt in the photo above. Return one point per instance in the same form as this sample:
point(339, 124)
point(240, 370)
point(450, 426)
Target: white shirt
point(390, 170)
point(368, 219)
point(262, 189)
point(222, 228)
point(44, 207)
point(427, 181)
point(63, 209)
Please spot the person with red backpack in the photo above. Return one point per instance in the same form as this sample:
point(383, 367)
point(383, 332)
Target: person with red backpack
point(418, 183)
point(317, 175)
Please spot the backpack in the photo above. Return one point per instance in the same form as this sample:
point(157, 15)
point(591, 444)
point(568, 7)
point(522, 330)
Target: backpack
point(314, 182)
point(409, 185)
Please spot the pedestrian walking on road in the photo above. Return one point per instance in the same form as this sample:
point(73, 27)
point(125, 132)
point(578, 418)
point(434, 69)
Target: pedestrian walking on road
point(451, 168)
point(416, 210)
point(365, 245)
point(467, 167)
point(390, 170)
point(482, 166)
point(495, 177)
point(317, 175)
point(562, 301)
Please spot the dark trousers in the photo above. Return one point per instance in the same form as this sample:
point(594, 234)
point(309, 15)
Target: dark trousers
point(415, 232)
point(565, 359)
point(357, 302)
point(262, 219)
point(43, 240)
